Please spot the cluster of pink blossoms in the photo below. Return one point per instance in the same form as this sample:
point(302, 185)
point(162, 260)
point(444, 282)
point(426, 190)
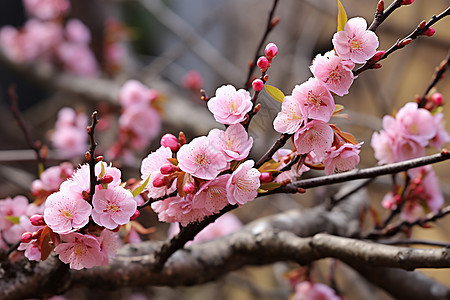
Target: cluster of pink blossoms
point(306, 290)
point(43, 38)
point(306, 112)
point(69, 211)
point(139, 122)
point(206, 172)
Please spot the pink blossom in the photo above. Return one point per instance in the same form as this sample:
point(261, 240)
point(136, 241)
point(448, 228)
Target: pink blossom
point(383, 146)
point(243, 184)
point(11, 207)
point(78, 59)
point(355, 42)
point(316, 136)
point(109, 243)
point(335, 72)
point(65, 211)
point(291, 174)
point(258, 85)
point(32, 251)
point(212, 195)
point(316, 99)
point(230, 106)
point(77, 32)
point(416, 123)
point(179, 209)
point(234, 142)
point(47, 9)
point(271, 50)
point(171, 141)
point(291, 117)
point(405, 148)
point(113, 207)
point(201, 159)
point(12, 45)
point(341, 159)
point(52, 178)
point(226, 224)
point(193, 80)
point(81, 251)
point(442, 135)
point(431, 191)
point(307, 290)
point(134, 92)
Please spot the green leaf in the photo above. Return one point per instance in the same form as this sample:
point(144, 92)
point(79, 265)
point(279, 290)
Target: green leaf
point(342, 17)
point(269, 186)
point(13, 219)
point(338, 108)
point(102, 172)
point(140, 188)
point(275, 93)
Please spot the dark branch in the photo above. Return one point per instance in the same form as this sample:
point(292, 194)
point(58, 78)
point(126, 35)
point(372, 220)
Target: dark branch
point(90, 156)
point(277, 145)
point(381, 16)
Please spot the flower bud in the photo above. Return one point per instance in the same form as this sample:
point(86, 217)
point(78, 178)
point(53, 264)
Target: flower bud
point(429, 32)
point(271, 51)
point(398, 199)
point(422, 24)
point(258, 85)
point(189, 188)
point(266, 177)
point(407, 2)
point(380, 7)
point(135, 215)
point(37, 220)
point(169, 140)
point(168, 169)
point(106, 179)
point(26, 237)
point(160, 181)
point(263, 63)
point(377, 56)
point(438, 99)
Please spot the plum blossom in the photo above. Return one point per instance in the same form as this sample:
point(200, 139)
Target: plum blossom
point(342, 158)
point(151, 166)
point(133, 92)
point(243, 184)
point(11, 207)
point(355, 42)
point(201, 159)
point(66, 211)
point(316, 136)
point(316, 99)
point(32, 251)
point(80, 251)
point(113, 207)
point(284, 156)
point(234, 142)
point(78, 59)
point(382, 144)
point(307, 290)
point(442, 135)
point(291, 117)
point(77, 32)
point(230, 106)
point(179, 209)
point(212, 195)
point(415, 123)
point(109, 243)
point(224, 225)
point(47, 9)
point(335, 72)
point(51, 179)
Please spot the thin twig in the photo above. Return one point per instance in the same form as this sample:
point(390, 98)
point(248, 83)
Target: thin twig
point(381, 16)
point(152, 200)
point(277, 145)
point(399, 207)
point(90, 156)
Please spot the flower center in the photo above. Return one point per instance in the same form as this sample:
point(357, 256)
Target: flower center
point(111, 207)
point(202, 160)
point(334, 76)
point(355, 44)
point(314, 100)
point(66, 214)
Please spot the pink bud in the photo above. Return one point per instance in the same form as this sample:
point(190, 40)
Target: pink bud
point(398, 199)
point(407, 2)
point(189, 188)
point(257, 85)
point(160, 181)
point(26, 237)
point(429, 32)
point(116, 229)
point(438, 99)
point(169, 140)
point(37, 220)
point(106, 179)
point(168, 169)
point(420, 190)
point(271, 50)
point(263, 63)
point(266, 177)
point(135, 215)
point(377, 56)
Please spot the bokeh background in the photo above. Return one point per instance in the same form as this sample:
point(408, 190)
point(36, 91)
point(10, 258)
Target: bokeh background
point(167, 39)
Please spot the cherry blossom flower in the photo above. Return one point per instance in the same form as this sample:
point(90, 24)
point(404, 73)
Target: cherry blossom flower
point(212, 195)
point(47, 9)
point(179, 209)
point(382, 143)
point(78, 59)
point(307, 290)
point(291, 174)
point(243, 184)
point(224, 225)
point(291, 117)
point(341, 159)
point(109, 243)
point(32, 251)
point(80, 251)
point(230, 106)
point(51, 179)
point(442, 135)
point(77, 32)
point(335, 72)
point(429, 181)
point(415, 123)
point(192, 80)
point(316, 136)
point(316, 99)
point(355, 42)
point(133, 92)
point(11, 207)
point(113, 207)
point(201, 159)
point(65, 211)
point(234, 142)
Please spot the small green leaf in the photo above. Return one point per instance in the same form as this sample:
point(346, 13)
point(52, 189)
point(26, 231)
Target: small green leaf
point(102, 172)
point(140, 188)
point(40, 169)
point(13, 219)
point(342, 17)
point(269, 186)
point(275, 93)
point(338, 108)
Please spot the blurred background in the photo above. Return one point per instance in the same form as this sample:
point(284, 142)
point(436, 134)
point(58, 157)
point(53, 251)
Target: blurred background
point(162, 43)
